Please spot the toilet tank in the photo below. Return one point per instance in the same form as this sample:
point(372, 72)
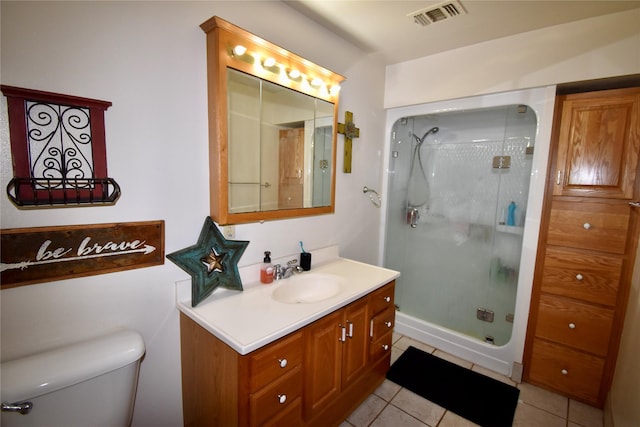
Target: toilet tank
point(89, 383)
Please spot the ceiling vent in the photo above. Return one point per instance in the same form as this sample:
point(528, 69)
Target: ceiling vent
point(438, 12)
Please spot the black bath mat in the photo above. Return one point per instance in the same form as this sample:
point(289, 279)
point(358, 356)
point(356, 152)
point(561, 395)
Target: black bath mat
point(476, 397)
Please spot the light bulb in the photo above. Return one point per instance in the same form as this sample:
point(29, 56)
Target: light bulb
point(239, 50)
point(316, 82)
point(269, 62)
point(294, 74)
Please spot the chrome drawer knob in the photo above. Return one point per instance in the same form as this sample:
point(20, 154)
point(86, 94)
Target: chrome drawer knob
point(579, 276)
point(564, 372)
point(282, 398)
point(572, 325)
point(387, 299)
point(388, 324)
point(282, 363)
point(586, 226)
point(385, 347)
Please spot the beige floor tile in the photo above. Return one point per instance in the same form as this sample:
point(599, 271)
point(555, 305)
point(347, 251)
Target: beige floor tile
point(367, 411)
point(387, 390)
point(543, 399)
point(395, 337)
point(452, 419)
point(394, 417)
point(418, 407)
point(404, 343)
point(395, 353)
point(346, 424)
point(453, 359)
point(585, 415)
point(530, 416)
point(493, 374)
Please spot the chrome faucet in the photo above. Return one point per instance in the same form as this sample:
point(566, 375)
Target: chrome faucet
point(283, 273)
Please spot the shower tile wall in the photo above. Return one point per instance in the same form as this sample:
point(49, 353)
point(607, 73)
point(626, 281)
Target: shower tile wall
point(461, 256)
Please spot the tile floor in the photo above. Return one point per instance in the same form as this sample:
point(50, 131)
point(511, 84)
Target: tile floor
point(393, 406)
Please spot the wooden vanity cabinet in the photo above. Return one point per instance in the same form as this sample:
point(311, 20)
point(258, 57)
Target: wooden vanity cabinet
point(587, 245)
point(315, 376)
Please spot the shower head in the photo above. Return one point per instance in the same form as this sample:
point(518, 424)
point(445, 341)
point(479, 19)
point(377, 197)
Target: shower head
point(434, 129)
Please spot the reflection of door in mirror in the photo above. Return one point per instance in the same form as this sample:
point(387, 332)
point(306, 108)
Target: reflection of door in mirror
point(323, 140)
point(291, 179)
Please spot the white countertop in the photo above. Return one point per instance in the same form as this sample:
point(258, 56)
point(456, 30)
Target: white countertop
point(247, 320)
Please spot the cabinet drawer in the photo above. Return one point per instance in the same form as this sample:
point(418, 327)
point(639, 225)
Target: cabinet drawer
point(277, 398)
point(382, 298)
point(593, 226)
point(580, 325)
point(569, 371)
point(381, 347)
point(291, 417)
point(275, 360)
point(382, 323)
point(586, 276)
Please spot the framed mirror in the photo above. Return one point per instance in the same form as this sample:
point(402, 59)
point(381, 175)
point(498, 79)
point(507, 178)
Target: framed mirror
point(272, 129)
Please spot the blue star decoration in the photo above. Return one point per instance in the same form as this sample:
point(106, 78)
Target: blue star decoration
point(211, 262)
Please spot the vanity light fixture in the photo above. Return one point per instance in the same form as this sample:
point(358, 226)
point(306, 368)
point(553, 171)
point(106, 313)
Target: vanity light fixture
point(269, 62)
point(334, 90)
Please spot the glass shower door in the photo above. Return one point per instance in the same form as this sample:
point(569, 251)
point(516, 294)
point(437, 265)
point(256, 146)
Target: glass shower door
point(452, 229)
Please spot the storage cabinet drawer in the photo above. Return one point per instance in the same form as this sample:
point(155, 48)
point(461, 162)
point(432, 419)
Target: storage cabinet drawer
point(382, 323)
point(594, 226)
point(580, 325)
point(585, 276)
point(382, 298)
point(274, 361)
point(381, 347)
point(276, 398)
point(569, 371)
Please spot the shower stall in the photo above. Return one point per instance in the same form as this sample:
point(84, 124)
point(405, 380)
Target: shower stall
point(464, 189)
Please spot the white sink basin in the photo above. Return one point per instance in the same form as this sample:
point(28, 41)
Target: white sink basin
point(307, 288)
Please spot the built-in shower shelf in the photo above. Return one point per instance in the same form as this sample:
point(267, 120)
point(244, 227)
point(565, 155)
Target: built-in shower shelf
point(510, 229)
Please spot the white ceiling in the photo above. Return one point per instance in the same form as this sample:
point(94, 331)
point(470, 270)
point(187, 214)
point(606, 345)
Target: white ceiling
point(382, 27)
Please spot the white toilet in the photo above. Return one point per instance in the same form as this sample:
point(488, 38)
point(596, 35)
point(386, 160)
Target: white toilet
point(90, 383)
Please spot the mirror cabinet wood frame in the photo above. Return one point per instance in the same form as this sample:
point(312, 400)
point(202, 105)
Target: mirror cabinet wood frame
point(222, 37)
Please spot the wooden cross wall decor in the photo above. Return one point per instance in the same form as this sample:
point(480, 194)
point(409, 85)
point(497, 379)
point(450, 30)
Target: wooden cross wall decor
point(350, 131)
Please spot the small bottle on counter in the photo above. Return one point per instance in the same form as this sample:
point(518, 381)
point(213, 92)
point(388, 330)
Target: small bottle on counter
point(266, 271)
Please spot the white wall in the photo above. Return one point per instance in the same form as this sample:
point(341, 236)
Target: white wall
point(148, 58)
point(589, 49)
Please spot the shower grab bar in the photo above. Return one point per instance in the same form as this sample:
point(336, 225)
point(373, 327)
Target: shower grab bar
point(371, 192)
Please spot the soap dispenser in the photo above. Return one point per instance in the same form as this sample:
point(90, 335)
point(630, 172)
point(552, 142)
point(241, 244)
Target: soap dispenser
point(266, 270)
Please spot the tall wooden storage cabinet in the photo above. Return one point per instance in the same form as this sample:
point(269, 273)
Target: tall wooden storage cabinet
point(587, 246)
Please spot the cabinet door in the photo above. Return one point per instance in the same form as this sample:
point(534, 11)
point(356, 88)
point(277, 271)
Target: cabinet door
point(322, 360)
point(355, 352)
point(599, 144)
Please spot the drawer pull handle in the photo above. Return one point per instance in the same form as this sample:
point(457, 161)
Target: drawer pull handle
point(387, 299)
point(282, 363)
point(572, 325)
point(586, 226)
point(385, 347)
point(564, 372)
point(388, 324)
point(579, 276)
point(282, 398)
point(343, 333)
